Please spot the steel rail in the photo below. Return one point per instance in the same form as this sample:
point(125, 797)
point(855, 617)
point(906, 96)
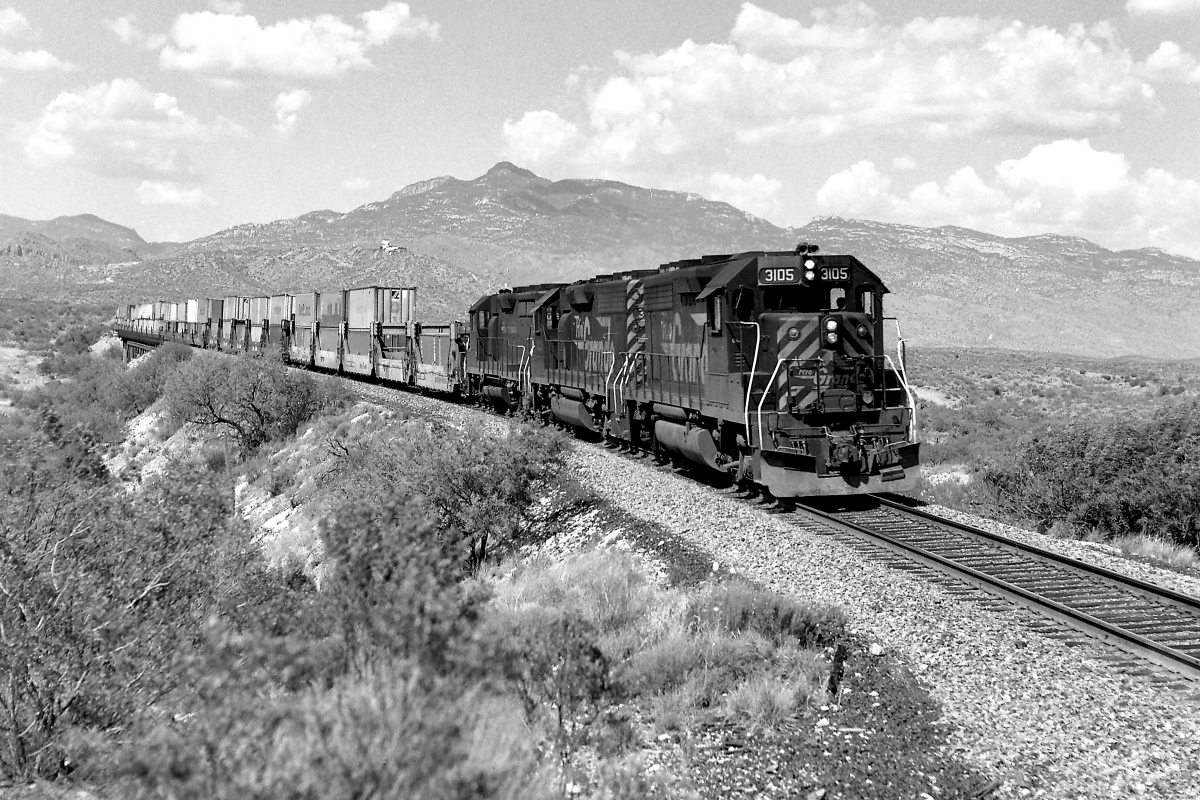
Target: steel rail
point(1155, 652)
point(1184, 601)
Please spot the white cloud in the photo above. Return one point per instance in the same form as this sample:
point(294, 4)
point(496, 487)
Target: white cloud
point(125, 28)
point(396, 19)
point(1169, 62)
point(1066, 186)
point(287, 109)
point(226, 6)
point(1140, 8)
point(904, 163)
point(33, 61)
point(226, 43)
point(757, 194)
point(844, 72)
point(356, 184)
point(539, 136)
point(120, 128)
point(167, 193)
point(12, 22)
point(861, 190)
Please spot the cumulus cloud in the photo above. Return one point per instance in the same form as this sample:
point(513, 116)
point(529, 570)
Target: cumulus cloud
point(1170, 62)
point(1066, 186)
point(12, 22)
point(125, 28)
point(226, 43)
point(843, 72)
point(168, 193)
point(356, 184)
point(904, 163)
point(33, 61)
point(1140, 8)
point(121, 128)
point(757, 194)
point(287, 109)
point(539, 136)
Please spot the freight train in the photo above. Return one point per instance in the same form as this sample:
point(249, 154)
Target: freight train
point(768, 367)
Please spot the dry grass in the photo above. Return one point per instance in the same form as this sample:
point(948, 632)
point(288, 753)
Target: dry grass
point(731, 650)
point(1157, 550)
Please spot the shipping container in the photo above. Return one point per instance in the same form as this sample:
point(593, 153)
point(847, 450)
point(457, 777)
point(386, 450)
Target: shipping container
point(215, 309)
point(304, 318)
point(260, 309)
point(192, 314)
point(173, 312)
point(281, 309)
point(329, 333)
point(160, 309)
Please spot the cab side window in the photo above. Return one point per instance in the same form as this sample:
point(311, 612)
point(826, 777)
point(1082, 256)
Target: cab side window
point(837, 299)
point(866, 302)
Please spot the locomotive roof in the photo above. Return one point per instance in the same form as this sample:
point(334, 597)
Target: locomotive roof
point(724, 268)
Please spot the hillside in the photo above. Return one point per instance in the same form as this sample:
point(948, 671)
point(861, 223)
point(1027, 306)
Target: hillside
point(456, 239)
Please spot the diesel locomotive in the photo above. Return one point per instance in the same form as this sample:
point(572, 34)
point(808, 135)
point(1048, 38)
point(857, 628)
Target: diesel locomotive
point(767, 366)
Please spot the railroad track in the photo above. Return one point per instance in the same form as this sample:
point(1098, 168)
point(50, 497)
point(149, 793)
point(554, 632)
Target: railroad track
point(1151, 623)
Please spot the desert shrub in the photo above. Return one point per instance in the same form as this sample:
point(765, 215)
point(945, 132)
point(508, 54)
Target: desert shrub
point(254, 398)
point(736, 606)
point(42, 324)
point(101, 589)
point(395, 582)
point(382, 732)
point(605, 587)
point(478, 485)
point(552, 660)
point(1124, 477)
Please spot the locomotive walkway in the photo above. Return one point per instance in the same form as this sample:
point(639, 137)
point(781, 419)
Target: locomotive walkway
point(1149, 622)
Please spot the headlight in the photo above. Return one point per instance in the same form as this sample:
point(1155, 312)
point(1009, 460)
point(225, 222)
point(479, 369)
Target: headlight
point(831, 324)
point(868, 397)
point(831, 337)
point(809, 275)
point(809, 264)
point(863, 330)
point(793, 333)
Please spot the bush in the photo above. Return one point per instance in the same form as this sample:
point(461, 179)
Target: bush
point(1122, 478)
point(257, 399)
point(383, 732)
point(395, 583)
point(101, 589)
point(478, 485)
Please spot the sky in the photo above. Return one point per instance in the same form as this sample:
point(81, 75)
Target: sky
point(1015, 117)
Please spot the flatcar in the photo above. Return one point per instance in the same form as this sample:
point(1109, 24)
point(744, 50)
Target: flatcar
point(769, 367)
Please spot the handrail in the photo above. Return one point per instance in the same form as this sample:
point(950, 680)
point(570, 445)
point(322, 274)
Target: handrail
point(761, 400)
point(750, 386)
point(902, 373)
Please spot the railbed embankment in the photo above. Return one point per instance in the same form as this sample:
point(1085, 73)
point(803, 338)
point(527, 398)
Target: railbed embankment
point(1049, 719)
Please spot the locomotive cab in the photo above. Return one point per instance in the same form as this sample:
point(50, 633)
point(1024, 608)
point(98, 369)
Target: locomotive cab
point(834, 415)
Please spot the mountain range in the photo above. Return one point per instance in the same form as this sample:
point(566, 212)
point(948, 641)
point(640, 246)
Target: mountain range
point(457, 239)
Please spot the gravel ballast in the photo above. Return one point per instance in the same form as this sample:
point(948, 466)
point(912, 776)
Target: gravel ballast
point(1044, 718)
point(1048, 719)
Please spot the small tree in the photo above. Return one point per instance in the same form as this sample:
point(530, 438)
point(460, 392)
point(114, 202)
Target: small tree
point(256, 399)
